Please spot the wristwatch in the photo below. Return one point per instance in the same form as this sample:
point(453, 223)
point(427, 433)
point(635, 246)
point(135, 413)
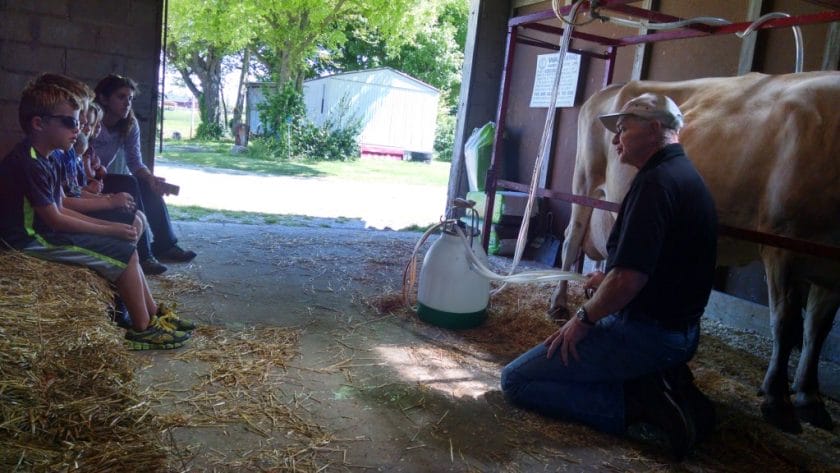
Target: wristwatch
point(583, 316)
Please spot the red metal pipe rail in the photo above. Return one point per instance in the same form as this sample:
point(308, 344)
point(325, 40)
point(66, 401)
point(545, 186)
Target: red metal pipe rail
point(822, 17)
point(771, 239)
point(531, 21)
point(501, 112)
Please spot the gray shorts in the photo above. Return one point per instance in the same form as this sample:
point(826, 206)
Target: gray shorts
point(107, 256)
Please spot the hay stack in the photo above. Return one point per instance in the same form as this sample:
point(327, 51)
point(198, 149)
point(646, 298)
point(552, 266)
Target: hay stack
point(67, 400)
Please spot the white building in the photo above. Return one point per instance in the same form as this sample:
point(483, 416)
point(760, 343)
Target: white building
point(397, 112)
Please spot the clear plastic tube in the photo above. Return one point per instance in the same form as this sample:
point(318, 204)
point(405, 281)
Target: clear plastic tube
point(478, 266)
point(797, 36)
point(714, 21)
point(705, 20)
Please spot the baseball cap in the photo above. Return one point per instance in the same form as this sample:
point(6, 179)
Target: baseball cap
point(650, 106)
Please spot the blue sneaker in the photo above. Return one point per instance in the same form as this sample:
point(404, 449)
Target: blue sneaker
point(119, 313)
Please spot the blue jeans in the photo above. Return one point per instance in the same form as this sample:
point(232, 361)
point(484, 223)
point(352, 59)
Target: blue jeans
point(150, 203)
point(591, 391)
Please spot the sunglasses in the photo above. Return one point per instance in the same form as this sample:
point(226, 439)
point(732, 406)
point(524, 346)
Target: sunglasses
point(66, 120)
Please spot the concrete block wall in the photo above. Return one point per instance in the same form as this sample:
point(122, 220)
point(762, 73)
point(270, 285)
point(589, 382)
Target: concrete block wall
point(84, 39)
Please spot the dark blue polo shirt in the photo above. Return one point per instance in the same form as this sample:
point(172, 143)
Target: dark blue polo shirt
point(27, 180)
point(667, 229)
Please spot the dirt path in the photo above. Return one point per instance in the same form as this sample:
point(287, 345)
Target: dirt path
point(378, 205)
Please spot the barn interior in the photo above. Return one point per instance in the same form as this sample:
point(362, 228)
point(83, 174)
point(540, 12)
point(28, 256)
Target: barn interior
point(307, 358)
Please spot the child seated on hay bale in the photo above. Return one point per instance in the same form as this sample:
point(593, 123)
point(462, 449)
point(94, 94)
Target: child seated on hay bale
point(87, 197)
point(33, 219)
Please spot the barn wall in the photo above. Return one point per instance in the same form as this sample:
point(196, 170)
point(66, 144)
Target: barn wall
point(667, 61)
point(85, 39)
point(482, 72)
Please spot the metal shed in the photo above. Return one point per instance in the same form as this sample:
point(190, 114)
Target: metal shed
point(397, 112)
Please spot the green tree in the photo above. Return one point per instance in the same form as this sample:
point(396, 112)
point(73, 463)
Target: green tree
point(292, 32)
point(433, 53)
point(282, 35)
point(199, 37)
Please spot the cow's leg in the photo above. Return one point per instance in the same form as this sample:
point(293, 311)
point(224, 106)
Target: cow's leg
point(819, 318)
point(572, 244)
point(785, 313)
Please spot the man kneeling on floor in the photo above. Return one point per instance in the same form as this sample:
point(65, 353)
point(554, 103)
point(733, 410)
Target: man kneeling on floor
point(33, 220)
point(622, 358)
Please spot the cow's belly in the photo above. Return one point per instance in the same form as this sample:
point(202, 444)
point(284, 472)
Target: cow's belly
point(820, 271)
point(803, 268)
point(595, 240)
point(732, 252)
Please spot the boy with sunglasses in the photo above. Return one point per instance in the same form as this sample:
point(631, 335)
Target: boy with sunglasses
point(33, 219)
point(118, 207)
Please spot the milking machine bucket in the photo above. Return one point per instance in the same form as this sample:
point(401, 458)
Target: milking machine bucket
point(450, 293)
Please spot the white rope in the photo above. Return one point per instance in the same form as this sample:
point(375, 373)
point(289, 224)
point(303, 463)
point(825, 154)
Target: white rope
point(545, 141)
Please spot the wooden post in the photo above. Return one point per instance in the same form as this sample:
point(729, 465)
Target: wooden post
point(745, 62)
point(642, 50)
point(831, 55)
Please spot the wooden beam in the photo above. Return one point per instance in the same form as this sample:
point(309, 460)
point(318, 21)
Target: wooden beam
point(831, 55)
point(747, 58)
point(484, 58)
point(642, 50)
point(826, 3)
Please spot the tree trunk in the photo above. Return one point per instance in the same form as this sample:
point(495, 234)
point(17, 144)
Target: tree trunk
point(224, 107)
point(211, 87)
point(240, 89)
point(208, 70)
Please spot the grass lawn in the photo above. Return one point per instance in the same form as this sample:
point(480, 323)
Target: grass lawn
point(179, 120)
point(216, 155)
point(193, 213)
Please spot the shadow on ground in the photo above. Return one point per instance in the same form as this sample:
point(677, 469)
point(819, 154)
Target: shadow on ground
point(366, 386)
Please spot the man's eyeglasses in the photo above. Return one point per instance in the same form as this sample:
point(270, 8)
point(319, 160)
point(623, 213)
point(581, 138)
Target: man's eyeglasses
point(66, 120)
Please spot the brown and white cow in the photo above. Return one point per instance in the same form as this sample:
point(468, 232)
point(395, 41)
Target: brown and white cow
point(768, 148)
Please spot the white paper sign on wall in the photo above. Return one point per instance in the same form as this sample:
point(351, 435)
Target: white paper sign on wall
point(544, 79)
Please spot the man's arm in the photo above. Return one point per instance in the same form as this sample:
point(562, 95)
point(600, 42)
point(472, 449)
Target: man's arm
point(616, 291)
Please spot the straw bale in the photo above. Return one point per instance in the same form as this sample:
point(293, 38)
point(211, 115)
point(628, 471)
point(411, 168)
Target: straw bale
point(66, 381)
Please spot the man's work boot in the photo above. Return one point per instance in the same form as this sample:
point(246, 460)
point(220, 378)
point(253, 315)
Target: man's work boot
point(648, 400)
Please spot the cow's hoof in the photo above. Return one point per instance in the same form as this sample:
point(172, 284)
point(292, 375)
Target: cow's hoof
point(781, 415)
point(816, 415)
point(557, 314)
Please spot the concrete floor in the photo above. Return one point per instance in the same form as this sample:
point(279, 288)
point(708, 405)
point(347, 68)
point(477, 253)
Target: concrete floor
point(395, 396)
